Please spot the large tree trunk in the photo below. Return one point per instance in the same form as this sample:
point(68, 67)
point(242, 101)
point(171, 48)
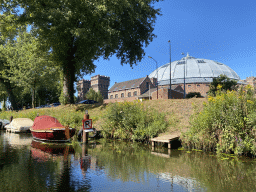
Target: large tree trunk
point(10, 93)
point(68, 84)
point(69, 71)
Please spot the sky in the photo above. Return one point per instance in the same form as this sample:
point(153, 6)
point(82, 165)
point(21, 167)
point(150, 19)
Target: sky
point(219, 30)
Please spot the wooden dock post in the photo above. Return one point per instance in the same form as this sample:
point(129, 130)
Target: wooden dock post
point(85, 133)
point(169, 145)
point(85, 137)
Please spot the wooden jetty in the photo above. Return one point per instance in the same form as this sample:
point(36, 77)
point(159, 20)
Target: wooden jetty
point(165, 139)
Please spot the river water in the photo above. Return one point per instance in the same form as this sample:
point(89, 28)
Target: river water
point(103, 165)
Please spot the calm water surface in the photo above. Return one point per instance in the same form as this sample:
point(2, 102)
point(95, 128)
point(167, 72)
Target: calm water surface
point(28, 165)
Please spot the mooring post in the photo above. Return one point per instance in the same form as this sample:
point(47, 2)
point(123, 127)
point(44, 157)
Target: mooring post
point(85, 133)
point(84, 150)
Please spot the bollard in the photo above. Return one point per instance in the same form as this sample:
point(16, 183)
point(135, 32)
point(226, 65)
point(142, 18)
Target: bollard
point(85, 137)
point(86, 134)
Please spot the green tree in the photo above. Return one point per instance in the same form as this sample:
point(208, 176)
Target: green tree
point(223, 83)
point(6, 86)
point(80, 32)
point(93, 95)
point(27, 66)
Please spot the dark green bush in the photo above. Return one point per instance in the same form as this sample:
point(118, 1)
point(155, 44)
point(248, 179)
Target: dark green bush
point(130, 121)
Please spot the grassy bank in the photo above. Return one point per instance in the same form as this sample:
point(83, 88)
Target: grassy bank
point(177, 113)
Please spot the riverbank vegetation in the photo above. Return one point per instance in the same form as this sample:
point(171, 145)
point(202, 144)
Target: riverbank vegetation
point(227, 124)
point(177, 113)
point(131, 121)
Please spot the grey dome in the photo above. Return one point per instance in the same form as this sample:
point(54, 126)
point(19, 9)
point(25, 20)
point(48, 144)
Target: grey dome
point(197, 71)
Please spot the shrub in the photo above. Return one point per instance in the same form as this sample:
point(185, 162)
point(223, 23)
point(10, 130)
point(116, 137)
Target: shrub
point(193, 94)
point(130, 121)
point(226, 124)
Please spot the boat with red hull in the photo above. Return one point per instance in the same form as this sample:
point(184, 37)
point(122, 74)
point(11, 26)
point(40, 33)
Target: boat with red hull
point(48, 128)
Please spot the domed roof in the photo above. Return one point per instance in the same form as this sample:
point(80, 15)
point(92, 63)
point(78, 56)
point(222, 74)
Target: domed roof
point(196, 71)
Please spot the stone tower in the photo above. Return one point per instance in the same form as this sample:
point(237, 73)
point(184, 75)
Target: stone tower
point(100, 83)
point(82, 87)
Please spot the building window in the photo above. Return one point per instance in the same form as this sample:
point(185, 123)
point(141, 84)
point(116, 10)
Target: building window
point(198, 85)
point(189, 85)
point(129, 94)
point(207, 85)
point(122, 95)
point(116, 95)
point(111, 96)
point(147, 85)
point(134, 93)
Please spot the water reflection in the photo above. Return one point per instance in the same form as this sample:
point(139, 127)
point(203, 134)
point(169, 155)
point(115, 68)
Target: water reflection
point(28, 165)
point(42, 151)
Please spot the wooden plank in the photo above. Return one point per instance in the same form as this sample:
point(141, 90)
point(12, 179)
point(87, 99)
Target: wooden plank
point(164, 140)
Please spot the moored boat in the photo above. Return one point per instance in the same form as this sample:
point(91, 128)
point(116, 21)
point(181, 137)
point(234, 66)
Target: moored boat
point(48, 128)
point(19, 125)
point(3, 123)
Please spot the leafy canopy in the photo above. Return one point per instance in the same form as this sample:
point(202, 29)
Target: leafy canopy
point(222, 83)
point(78, 32)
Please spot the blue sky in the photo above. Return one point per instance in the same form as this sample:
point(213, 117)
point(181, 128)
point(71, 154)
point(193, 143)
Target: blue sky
point(220, 30)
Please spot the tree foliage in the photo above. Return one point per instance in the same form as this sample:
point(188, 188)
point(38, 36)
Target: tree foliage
point(93, 95)
point(27, 65)
point(79, 32)
point(222, 83)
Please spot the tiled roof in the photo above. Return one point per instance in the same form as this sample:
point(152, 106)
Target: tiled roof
point(127, 84)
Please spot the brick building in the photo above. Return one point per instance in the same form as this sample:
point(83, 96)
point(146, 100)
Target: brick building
point(97, 83)
point(130, 90)
point(140, 89)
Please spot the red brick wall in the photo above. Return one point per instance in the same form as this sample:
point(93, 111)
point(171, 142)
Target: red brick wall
point(164, 93)
point(202, 88)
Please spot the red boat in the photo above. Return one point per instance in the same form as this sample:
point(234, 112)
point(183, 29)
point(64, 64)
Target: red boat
point(48, 128)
